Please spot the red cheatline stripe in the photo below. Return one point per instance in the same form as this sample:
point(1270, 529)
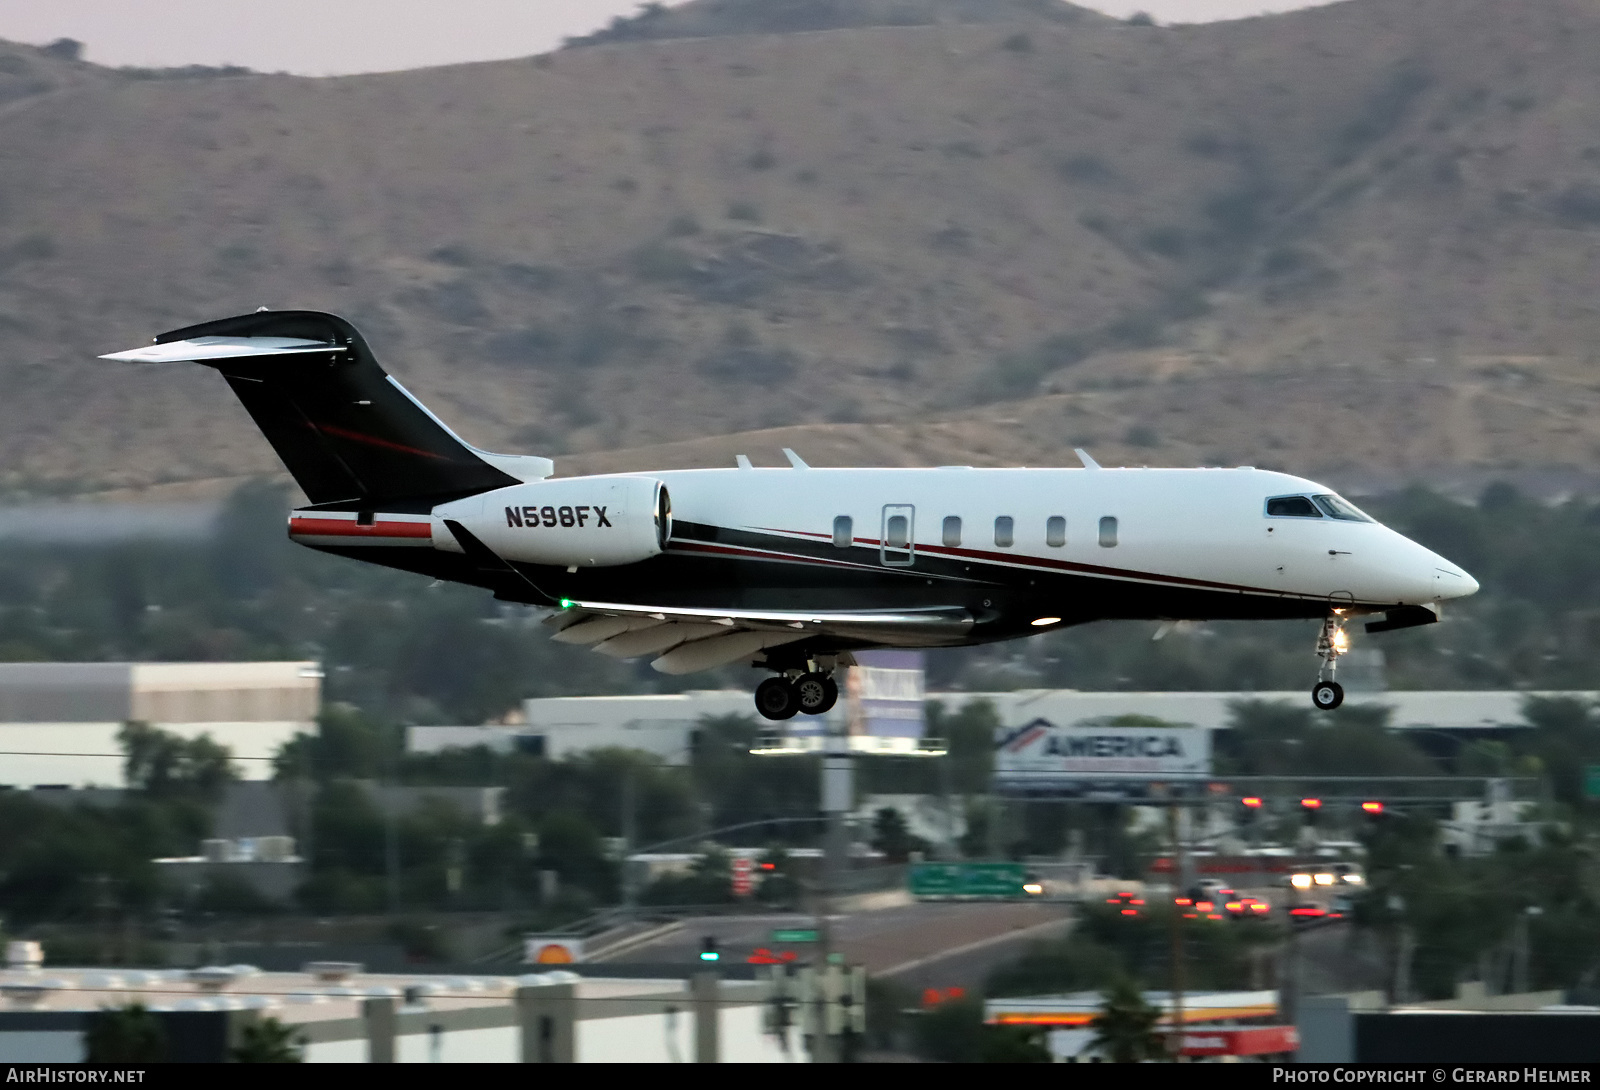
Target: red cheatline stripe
point(765, 554)
point(1023, 560)
point(352, 528)
point(374, 441)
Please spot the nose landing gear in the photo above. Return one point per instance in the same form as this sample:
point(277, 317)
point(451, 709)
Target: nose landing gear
point(811, 693)
point(1327, 694)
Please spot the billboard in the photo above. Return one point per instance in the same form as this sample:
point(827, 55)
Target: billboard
point(1093, 760)
point(885, 690)
point(880, 707)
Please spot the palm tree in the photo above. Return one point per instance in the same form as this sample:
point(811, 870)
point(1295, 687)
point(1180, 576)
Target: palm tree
point(1125, 1028)
point(268, 1041)
point(125, 1035)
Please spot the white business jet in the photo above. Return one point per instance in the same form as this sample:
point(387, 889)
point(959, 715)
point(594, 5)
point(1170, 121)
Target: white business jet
point(794, 569)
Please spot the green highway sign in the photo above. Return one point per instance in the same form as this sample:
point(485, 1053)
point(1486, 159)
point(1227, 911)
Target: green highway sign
point(1591, 782)
point(794, 934)
point(967, 880)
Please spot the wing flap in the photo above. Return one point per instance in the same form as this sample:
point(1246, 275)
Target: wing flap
point(714, 651)
point(593, 630)
point(903, 628)
point(938, 620)
point(660, 637)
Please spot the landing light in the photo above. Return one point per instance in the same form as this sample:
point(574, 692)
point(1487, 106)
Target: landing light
point(1341, 642)
point(1041, 622)
point(1033, 888)
point(1326, 879)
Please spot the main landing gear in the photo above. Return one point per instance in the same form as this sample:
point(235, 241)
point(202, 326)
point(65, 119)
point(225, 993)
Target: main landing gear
point(809, 693)
point(1327, 694)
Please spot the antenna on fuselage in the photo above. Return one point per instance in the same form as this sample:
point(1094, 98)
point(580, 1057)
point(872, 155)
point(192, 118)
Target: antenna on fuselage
point(1083, 456)
point(794, 459)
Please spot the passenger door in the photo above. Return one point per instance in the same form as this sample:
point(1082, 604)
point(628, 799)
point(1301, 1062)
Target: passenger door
point(897, 543)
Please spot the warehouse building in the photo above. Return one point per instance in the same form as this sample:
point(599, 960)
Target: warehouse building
point(59, 720)
point(665, 724)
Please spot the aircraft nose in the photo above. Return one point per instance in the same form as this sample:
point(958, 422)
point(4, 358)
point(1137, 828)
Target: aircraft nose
point(1451, 582)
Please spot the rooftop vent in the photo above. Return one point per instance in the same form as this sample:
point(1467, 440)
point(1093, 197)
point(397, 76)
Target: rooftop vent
point(333, 971)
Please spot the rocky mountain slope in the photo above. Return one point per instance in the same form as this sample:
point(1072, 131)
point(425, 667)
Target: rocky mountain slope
point(1360, 241)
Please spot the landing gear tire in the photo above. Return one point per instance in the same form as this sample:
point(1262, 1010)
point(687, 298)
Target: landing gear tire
point(816, 693)
point(1327, 695)
point(776, 698)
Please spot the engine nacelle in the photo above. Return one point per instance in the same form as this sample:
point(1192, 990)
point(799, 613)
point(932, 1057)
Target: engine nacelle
point(586, 522)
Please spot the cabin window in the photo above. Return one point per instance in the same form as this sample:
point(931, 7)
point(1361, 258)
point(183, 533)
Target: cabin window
point(1055, 531)
point(1292, 507)
point(843, 530)
point(1004, 532)
point(1108, 532)
point(952, 531)
point(897, 532)
point(1336, 507)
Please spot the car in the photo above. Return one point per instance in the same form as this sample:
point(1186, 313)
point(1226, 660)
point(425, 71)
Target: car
point(1247, 908)
point(1348, 874)
point(1128, 904)
point(1199, 906)
point(1306, 911)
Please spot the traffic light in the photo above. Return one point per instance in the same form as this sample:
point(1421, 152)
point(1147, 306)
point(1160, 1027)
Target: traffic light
point(708, 949)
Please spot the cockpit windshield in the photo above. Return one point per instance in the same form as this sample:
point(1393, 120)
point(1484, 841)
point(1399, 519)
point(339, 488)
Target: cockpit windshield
point(1315, 507)
point(1292, 507)
point(1336, 507)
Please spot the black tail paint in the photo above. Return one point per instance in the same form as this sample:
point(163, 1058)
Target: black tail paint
point(350, 436)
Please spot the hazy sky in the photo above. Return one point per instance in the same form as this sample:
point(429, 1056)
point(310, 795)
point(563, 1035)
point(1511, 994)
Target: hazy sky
point(330, 37)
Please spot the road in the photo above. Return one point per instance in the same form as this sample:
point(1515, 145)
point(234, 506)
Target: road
point(919, 945)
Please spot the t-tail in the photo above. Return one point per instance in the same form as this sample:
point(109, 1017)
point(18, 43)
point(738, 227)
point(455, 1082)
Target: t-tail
point(391, 484)
point(351, 436)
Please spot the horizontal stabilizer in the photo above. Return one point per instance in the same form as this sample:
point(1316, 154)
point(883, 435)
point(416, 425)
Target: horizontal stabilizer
point(204, 349)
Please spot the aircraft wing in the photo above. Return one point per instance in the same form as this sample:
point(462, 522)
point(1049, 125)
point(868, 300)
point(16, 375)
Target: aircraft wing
point(690, 639)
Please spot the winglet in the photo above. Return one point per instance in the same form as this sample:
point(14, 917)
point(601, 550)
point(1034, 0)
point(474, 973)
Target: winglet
point(1083, 456)
point(795, 459)
point(742, 461)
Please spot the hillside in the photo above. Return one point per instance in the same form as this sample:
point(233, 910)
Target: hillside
point(719, 18)
point(1357, 241)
